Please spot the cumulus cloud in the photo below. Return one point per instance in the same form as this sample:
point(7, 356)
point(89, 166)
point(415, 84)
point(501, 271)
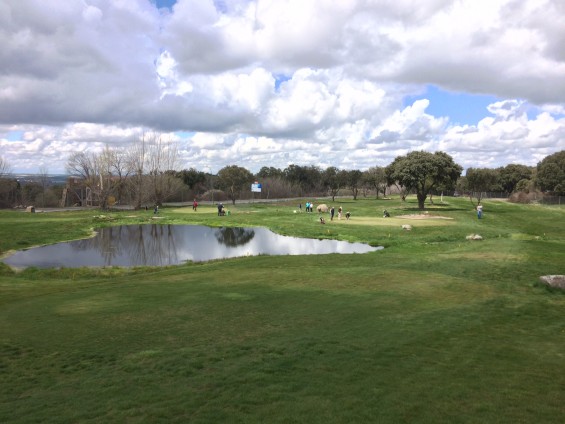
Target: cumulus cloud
point(508, 137)
point(274, 82)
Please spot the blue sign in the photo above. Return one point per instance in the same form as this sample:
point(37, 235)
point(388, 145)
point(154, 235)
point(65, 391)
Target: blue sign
point(256, 188)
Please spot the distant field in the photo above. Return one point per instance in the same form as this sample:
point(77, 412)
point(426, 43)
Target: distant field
point(432, 329)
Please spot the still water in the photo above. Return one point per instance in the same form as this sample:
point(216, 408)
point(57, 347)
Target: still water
point(159, 245)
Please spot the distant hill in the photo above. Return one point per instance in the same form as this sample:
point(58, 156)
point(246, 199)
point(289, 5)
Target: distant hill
point(54, 179)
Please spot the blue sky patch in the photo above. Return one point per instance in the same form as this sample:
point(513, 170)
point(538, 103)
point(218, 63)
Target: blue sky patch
point(461, 108)
point(279, 79)
point(219, 4)
point(165, 4)
point(185, 134)
point(14, 135)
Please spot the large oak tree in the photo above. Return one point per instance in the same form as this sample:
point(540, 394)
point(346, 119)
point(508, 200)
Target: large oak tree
point(333, 179)
point(479, 181)
point(421, 172)
point(375, 178)
point(551, 173)
point(233, 179)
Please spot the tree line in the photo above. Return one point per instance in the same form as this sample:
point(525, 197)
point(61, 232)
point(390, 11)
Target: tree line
point(147, 173)
point(547, 177)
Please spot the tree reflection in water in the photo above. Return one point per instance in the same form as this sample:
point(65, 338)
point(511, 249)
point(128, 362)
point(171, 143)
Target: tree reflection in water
point(103, 243)
point(158, 245)
point(140, 244)
point(234, 236)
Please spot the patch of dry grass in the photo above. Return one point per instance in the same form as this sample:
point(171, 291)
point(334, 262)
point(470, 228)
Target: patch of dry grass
point(394, 222)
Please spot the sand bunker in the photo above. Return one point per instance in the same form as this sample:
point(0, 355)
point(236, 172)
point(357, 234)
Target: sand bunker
point(422, 216)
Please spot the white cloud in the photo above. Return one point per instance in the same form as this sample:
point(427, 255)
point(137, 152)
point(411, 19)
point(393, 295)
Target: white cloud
point(272, 82)
point(509, 137)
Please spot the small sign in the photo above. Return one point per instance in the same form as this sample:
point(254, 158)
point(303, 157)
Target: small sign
point(256, 188)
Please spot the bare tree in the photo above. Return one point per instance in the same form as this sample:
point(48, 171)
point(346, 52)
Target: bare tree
point(118, 166)
point(136, 163)
point(8, 186)
point(151, 162)
point(276, 187)
point(82, 165)
point(96, 171)
point(44, 181)
point(162, 158)
point(5, 169)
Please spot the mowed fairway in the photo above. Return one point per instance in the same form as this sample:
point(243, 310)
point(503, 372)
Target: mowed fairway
point(432, 329)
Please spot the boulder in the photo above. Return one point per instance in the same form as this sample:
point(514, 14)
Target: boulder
point(555, 281)
point(323, 208)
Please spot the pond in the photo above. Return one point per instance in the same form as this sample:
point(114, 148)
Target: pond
point(160, 245)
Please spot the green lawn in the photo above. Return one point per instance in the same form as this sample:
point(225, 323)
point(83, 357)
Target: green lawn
point(432, 329)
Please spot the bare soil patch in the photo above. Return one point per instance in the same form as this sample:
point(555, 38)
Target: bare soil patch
point(422, 216)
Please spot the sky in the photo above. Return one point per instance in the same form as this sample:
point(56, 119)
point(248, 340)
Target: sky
point(253, 83)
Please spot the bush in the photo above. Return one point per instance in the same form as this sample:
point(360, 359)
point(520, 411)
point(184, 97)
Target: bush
point(526, 197)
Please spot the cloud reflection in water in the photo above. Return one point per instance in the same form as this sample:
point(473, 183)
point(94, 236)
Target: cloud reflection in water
point(159, 245)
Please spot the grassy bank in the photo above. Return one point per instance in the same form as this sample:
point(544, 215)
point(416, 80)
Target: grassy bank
point(432, 329)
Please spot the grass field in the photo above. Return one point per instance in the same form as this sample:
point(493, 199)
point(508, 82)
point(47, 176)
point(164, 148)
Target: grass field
point(432, 329)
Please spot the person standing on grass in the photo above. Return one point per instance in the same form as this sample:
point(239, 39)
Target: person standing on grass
point(479, 211)
point(339, 213)
point(332, 213)
point(194, 205)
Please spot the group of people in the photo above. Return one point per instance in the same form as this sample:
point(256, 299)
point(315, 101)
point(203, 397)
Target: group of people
point(332, 214)
point(339, 213)
point(309, 206)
